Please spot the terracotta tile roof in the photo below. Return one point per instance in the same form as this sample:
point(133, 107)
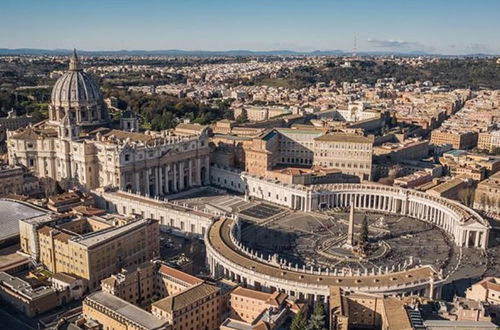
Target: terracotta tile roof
point(490, 283)
point(277, 298)
point(184, 277)
point(186, 298)
point(396, 315)
point(248, 293)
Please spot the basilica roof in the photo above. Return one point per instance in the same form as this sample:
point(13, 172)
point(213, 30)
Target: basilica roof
point(75, 87)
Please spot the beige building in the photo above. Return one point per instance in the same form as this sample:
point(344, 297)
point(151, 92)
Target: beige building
point(487, 195)
point(457, 138)
point(65, 202)
point(366, 311)
point(258, 113)
point(198, 307)
point(75, 148)
point(91, 247)
point(247, 305)
point(486, 290)
point(352, 154)
point(25, 298)
point(180, 300)
point(102, 310)
point(489, 140)
point(135, 284)
point(11, 180)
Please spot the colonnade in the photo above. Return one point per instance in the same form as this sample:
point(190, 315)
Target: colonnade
point(225, 261)
point(453, 219)
point(172, 177)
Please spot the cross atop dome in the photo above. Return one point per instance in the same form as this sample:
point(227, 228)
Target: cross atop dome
point(74, 63)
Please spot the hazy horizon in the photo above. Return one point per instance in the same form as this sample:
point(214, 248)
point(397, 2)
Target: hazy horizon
point(435, 27)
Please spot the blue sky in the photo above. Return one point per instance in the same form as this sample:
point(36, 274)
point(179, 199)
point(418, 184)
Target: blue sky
point(442, 26)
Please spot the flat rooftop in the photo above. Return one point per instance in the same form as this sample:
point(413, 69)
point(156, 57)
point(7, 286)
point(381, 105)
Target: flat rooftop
point(10, 214)
point(105, 235)
point(127, 310)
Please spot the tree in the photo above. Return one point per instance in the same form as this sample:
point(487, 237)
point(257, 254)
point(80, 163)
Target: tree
point(318, 318)
point(465, 196)
point(363, 235)
point(299, 322)
point(242, 117)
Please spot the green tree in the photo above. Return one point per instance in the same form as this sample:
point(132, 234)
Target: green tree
point(299, 322)
point(318, 318)
point(242, 118)
point(363, 236)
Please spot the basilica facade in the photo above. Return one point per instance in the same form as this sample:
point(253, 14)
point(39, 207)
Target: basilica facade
point(77, 147)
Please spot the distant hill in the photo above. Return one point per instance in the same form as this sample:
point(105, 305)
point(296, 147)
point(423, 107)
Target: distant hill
point(242, 52)
point(167, 52)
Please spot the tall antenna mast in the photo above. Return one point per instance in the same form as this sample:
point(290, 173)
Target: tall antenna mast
point(354, 48)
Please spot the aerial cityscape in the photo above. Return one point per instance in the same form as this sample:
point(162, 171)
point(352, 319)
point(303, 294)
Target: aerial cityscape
point(203, 165)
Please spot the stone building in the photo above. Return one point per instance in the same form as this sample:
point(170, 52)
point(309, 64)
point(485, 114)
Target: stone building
point(180, 300)
point(457, 138)
point(102, 310)
point(487, 195)
point(197, 307)
point(26, 298)
point(13, 122)
point(248, 305)
point(75, 147)
point(90, 247)
point(352, 154)
point(362, 311)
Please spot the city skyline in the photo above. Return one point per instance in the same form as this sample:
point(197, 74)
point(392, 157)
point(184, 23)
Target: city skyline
point(378, 26)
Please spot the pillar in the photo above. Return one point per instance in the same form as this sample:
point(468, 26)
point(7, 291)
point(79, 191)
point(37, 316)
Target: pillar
point(137, 182)
point(174, 177)
point(190, 173)
point(165, 183)
point(198, 172)
point(156, 181)
point(207, 171)
point(181, 175)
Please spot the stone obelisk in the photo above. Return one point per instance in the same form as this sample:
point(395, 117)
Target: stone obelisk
point(350, 231)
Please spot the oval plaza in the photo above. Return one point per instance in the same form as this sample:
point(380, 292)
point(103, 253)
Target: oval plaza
point(229, 257)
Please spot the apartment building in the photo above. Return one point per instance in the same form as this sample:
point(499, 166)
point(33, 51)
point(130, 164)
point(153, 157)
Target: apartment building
point(457, 138)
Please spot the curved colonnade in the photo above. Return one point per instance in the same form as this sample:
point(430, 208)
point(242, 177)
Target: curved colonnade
point(227, 258)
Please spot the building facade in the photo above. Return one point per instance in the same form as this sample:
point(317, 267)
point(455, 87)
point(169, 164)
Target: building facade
point(92, 248)
point(69, 148)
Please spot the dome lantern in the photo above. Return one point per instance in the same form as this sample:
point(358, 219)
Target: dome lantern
point(74, 63)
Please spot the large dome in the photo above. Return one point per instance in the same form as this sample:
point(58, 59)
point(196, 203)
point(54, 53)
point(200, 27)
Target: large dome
point(75, 87)
point(78, 94)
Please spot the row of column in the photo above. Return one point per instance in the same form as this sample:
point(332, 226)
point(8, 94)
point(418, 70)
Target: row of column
point(170, 178)
point(219, 270)
point(474, 238)
point(420, 210)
